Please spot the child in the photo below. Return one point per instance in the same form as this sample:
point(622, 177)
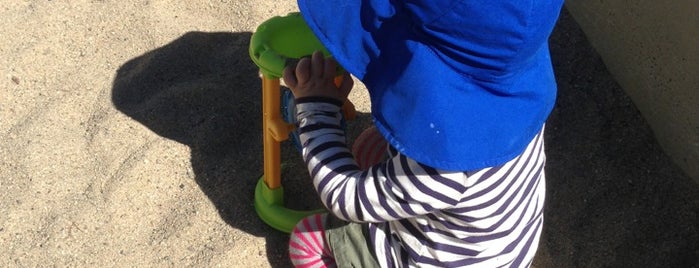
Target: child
point(460, 90)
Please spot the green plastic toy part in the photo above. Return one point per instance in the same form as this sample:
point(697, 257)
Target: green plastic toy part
point(280, 39)
point(276, 42)
point(269, 204)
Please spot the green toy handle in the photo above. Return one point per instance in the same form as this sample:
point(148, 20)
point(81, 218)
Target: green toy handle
point(281, 39)
point(269, 204)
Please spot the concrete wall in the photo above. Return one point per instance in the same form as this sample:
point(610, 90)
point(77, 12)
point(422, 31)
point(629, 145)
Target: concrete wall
point(652, 49)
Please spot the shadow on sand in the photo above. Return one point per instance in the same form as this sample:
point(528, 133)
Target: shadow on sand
point(202, 90)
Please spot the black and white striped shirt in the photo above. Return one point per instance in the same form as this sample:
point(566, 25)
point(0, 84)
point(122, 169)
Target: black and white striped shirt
point(419, 216)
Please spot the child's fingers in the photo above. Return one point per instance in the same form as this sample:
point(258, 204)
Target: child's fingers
point(303, 70)
point(289, 76)
point(329, 69)
point(317, 64)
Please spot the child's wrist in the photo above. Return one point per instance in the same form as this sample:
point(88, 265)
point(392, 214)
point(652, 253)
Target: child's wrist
point(319, 99)
point(317, 107)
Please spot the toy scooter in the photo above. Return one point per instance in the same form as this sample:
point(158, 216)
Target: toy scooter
point(276, 42)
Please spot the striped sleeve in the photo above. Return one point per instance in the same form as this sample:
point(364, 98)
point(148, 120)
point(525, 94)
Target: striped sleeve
point(395, 189)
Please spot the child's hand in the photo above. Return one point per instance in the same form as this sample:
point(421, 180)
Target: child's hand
point(314, 77)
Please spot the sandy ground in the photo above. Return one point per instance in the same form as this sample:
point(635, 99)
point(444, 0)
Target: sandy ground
point(130, 137)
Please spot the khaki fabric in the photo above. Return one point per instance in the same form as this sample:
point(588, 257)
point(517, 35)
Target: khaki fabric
point(349, 243)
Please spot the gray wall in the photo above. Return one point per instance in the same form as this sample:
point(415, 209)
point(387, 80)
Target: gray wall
point(652, 49)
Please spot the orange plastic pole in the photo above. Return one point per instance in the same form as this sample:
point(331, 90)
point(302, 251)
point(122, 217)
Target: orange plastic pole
point(271, 119)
